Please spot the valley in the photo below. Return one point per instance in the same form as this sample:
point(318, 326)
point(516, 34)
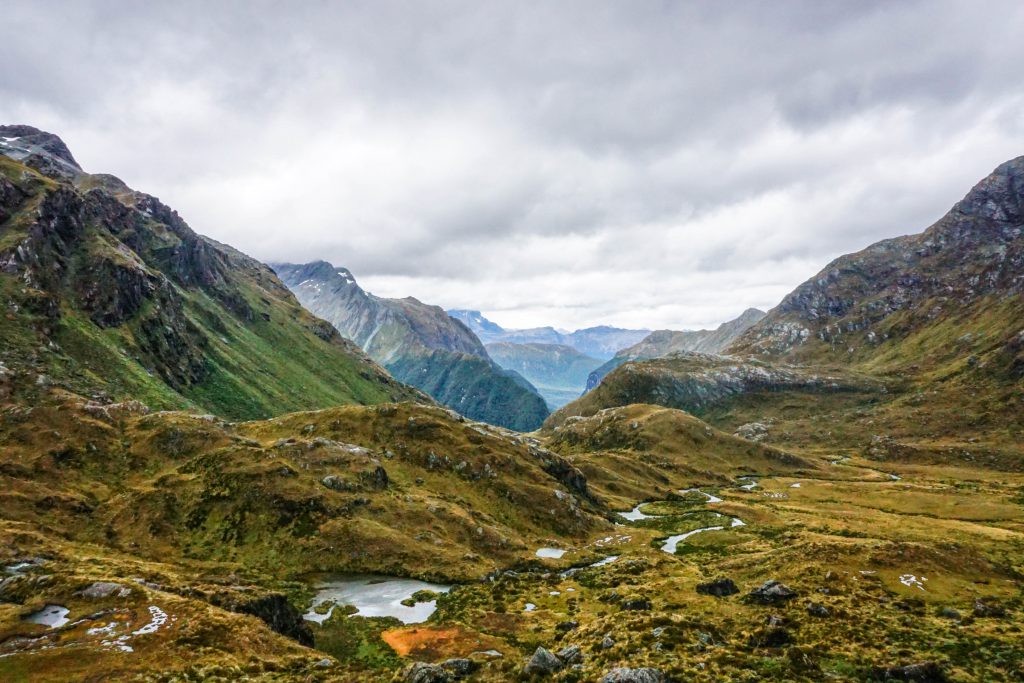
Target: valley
point(200, 479)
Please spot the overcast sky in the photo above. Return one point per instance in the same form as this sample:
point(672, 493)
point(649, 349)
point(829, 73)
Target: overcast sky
point(643, 164)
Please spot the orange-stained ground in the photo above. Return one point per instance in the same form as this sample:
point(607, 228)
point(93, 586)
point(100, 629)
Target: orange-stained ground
point(428, 644)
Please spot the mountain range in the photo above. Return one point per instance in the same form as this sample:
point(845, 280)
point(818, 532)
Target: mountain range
point(558, 371)
point(601, 342)
point(419, 345)
point(202, 480)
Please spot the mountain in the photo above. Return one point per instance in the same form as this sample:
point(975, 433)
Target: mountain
point(420, 345)
point(558, 371)
point(920, 335)
point(109, 293)
point(637, 542)
point(664, 342)
point(599, 342)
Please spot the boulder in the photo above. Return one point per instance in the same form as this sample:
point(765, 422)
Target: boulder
point(773, 636)
point(607, 642)
point(624, 675)
point(923, 672)
point(542, 663)
point(105, 589)
point(719, 588)
point(570, 655)
point(816, 609)
point(987, 607)
point(336, 483)
point(772, 593)
point(459, 667)
point(421, 672)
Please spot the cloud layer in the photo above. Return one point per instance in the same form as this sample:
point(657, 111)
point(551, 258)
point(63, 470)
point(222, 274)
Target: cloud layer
point(575, 163)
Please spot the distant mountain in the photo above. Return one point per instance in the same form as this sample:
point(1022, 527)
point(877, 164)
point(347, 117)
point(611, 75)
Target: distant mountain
point(599, 342)
point(559, 372)
point(419, 344)
point(108, 293)
point(664, 342)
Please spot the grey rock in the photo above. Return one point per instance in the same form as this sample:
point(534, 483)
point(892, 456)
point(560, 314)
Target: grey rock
point(105, 589)
point(324, 663)
point(460, 666)
point(923, 672)
point(816, 609)
point(752, 431)
point(987, 607)
point(624, 675)
point(607, 642)
point(772, 593)
point(570, 655)
point(336, 483)
point(542, 663)
point(421, 672)
point(719, 588)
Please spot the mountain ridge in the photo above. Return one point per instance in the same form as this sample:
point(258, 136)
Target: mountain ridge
point(419, 344)
point(110, 293)
point(601, 341)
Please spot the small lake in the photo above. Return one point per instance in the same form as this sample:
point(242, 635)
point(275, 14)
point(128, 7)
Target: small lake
point(53, 616)
point(376, 596)
point(552, 553)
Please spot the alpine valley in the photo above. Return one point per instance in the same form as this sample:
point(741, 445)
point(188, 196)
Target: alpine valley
point(215, 470)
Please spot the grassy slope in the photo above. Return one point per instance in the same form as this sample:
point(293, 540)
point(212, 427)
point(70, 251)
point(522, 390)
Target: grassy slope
point(247, 371)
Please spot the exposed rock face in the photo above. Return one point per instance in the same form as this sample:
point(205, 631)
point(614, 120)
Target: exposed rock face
point(419, 344)
point(666, 342)
point(884, 293)
point(697, 382)
point(273, 608)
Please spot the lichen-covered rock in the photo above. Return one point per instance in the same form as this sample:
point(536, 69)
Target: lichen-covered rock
point(626, 675)
point(771, 593)
point(719, 588)
point(421, 672)
point(542, 663)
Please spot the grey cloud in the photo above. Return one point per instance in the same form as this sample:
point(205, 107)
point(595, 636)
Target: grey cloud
point(655, 164)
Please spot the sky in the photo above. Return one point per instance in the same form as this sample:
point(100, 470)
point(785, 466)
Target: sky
point(645, 164)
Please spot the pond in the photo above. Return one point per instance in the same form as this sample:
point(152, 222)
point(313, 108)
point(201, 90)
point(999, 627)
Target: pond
point(53, 616)
point(376, 596)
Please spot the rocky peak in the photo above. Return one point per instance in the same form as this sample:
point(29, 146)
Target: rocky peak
point(42, 150)
point(999, 196)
